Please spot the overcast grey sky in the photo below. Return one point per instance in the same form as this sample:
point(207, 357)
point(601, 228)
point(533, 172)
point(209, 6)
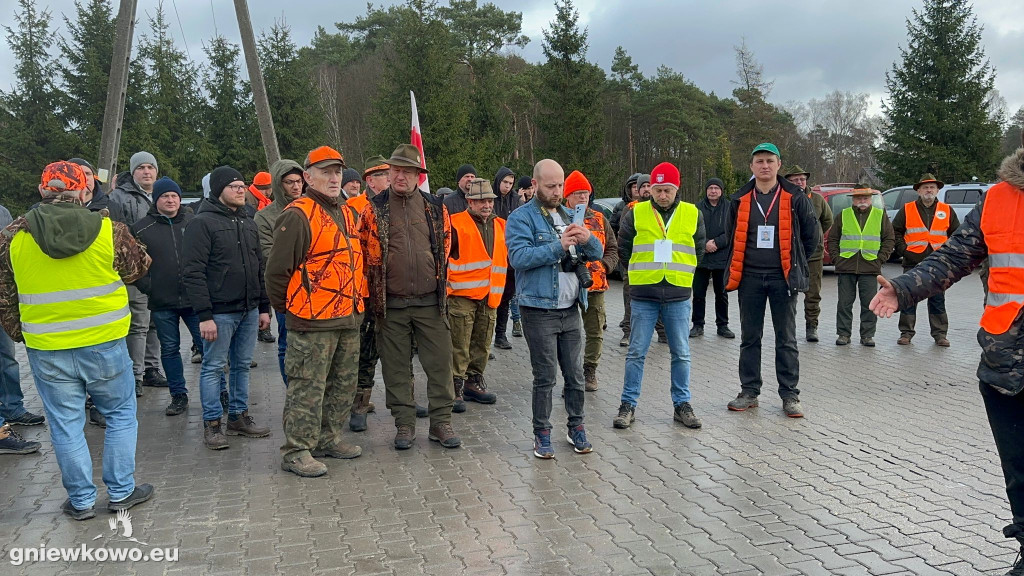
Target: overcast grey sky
point(809, 47)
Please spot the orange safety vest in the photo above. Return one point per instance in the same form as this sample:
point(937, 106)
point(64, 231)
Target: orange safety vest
point(358, 203)
point(739, 239)
point(474, 274)
point(594, 221)
point(918, 237)
point(261, 200)
point(330, 282)
point(1002, 225)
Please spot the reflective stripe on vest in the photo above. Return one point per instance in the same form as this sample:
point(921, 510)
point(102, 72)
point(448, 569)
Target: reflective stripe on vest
point(69, 302)
point(867, 241)
point(681, 227)
point(918, 237)
point(594, 221)
point(474, 274)
point(330, 283)
point(1002, 225)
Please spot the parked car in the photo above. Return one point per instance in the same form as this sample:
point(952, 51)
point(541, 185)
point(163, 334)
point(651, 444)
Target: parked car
point(961, 197)
point(839, 199)
point(607, 205)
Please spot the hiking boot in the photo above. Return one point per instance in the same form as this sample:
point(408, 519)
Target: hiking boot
point(812, 333)
point(683, 412)
point(213, 435)
point(138, 388)
point(343, 451)
point(743, 402)
point(141, 493)
point(421, 411)
point(152, 377)
point(625, 340)
point(243, 425)
point(96, 417)
point(266, 335)
point(517, 329)
point(724, 332)
point(842, 340)
point(626, 416)
point(197, 354)
point(178, 405)
point(904, 340)
point(542, 445)
point(792, 408)
point(590, 377)
point(360, 407)
point(1018, 565)
point(869, 342)
point(27, 419)
point(12, 443)
point(578, 438)
point(303, 464)
point(404, 437)
point(460, 402)
point(696, 331)
point(942, 341)
point(68, 508)
point(445, 434)
point(502, 343)
point(476, 391)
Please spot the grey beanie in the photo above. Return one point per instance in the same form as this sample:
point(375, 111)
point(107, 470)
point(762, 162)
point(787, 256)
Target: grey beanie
point(140, 158)
point(643, 179)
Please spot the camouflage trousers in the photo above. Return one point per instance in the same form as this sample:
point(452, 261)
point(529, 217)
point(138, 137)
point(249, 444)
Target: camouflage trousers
point(472, 323)
point(594, 320)
point(321, 369)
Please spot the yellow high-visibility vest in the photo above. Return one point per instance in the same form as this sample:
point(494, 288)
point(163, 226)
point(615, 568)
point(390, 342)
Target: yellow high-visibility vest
point(649, 229)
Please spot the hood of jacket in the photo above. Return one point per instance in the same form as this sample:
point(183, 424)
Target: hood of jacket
point(505, 204)
point(626, 196)
point(278, 170)
point(63, 229)
point(125, 182)
point(1012, 169)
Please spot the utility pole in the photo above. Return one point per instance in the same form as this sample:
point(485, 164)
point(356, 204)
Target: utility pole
point(117, 88)
point(259, 89)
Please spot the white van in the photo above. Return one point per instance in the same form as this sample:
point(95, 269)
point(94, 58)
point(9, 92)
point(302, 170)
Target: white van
point(961, 197)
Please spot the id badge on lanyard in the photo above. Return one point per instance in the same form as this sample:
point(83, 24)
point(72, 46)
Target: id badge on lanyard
point(662, 248)
point(766, 233)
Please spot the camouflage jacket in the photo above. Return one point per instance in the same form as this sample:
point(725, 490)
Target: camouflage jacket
point(1002, 355)
point(130, 261)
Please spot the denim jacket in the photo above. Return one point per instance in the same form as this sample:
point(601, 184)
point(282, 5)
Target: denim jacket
point(535, 251)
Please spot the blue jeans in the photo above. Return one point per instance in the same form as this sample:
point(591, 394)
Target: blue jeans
point(676, 316)
point(104, 372)
point(11, 396)
point(236, 341)
point(169, 333)
point(282, 343)
point(513, 307)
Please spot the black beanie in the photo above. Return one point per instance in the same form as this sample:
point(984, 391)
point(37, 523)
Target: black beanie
point(349, 175)
point(717, 182)
point(221, 177)
point(524, 182)
point(463, 170)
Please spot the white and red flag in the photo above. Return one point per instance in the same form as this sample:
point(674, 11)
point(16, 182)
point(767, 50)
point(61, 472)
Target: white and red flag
point(416, 139)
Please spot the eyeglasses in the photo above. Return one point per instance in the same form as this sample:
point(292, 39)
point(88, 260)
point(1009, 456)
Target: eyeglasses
point(235, 187)
point(292, 182)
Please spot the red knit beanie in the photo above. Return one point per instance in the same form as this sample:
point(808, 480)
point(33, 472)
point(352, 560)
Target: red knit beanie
point(575, 182)
point(665, 173)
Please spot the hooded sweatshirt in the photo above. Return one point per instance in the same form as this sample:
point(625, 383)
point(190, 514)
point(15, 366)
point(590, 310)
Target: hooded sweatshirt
point(627, 197)
point(265, 218)
point(505, 204)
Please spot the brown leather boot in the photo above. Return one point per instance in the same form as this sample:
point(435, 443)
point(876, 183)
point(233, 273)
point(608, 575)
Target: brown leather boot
point(476, 390)
point(590, 377)
point(244, 425)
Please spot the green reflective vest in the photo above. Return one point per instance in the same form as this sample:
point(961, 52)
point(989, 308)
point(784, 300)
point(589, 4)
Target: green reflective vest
point(651, 228)
point(69, 302)
point(867, 241)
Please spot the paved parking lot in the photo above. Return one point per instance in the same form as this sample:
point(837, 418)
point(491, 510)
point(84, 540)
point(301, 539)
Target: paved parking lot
point(893, 471)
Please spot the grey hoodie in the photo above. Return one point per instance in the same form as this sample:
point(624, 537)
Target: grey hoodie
point(265, 218)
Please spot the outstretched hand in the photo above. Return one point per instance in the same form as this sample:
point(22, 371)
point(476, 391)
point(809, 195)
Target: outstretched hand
point(885, 303)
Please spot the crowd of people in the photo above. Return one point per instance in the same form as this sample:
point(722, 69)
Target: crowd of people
point(367, 268)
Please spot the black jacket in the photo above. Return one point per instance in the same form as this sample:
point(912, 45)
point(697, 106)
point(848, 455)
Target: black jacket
point(663, 291)
point(223, 262)
point(503, 205)
point(164, 239)
point(717, 220)
point(101, 200)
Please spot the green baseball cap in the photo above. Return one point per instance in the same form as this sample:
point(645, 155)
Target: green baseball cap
point(766, 147)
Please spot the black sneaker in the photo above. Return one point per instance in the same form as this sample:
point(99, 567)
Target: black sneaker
point(152, 377)
point(724, 332)
point(142, 493)
point(178, 405)
point(77, 514)
point(683, 412)
point(12, 443)
point(696, 331)
point(27, 419)
point(502, 343)
point(626, 416)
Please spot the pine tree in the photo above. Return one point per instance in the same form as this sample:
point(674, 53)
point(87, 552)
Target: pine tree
point(937, 111)
point(571, 93)
point(293, 99)
point(86, 52)
point(230, 116)
point(31, 132)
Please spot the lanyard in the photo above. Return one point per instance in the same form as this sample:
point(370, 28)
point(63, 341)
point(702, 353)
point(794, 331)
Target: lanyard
point(778, 190)
point(665, 225)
